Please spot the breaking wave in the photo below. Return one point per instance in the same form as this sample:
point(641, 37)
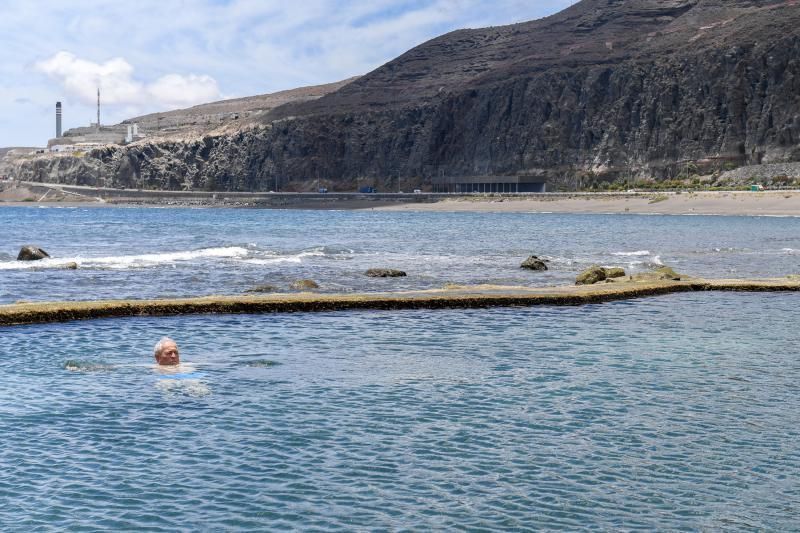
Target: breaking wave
point(271, 257)
point(129, 261)
point(249, 254)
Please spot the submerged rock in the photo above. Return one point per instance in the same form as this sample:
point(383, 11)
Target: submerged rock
point(304, 285)
point(72, 265)
point(590, 276)
point(534, 263)
point(31, 253)
point(385, 273)
point(263, 288)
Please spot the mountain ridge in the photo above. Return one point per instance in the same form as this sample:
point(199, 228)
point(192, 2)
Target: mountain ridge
point(603, 90)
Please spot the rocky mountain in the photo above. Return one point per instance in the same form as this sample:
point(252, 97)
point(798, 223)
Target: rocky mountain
point(226, 115)
point(602, 90)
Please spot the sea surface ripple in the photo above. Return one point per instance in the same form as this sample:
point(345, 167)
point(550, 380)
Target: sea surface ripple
point(167, 253)
point(673, 413)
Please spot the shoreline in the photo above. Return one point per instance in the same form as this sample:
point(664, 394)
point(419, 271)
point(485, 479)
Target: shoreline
point(702, 203)
point(784, 203)
point(468, 297)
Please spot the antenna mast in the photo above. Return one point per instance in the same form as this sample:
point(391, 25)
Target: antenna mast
point(98, 109)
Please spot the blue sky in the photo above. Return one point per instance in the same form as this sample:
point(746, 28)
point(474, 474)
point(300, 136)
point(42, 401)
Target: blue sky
point(153, 55)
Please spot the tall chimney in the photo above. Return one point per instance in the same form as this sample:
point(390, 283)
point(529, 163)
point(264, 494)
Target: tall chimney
point(58, 119)
point(98, 109)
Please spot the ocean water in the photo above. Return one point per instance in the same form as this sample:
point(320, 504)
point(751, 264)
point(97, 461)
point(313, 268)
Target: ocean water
point(150, 253)
point(671, 413)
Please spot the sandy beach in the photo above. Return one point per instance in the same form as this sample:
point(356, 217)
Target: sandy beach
point(743, 203)
point(765, 203)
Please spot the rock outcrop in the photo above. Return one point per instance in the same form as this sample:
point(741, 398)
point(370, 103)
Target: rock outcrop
point(304, 285)
point(615, 272)
point(534, 263)
point(590, 276)
point(596, 274)
point(606, 89)
point(385, 273)
point(663, 273)
point(31, 253)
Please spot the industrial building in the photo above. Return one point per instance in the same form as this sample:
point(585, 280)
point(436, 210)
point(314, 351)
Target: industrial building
point(490, 184)
point(94, 136)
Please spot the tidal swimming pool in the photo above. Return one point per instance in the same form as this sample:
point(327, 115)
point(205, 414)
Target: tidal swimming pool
point(678, 412)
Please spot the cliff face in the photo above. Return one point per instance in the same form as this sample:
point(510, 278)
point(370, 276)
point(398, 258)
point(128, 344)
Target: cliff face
point(604, 88)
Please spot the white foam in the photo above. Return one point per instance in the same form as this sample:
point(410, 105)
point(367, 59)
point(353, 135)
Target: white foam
point(274, 258)
point(129, 261)
point(274, 261)
point(657, 261)
point(188, 387)
point(632, 254)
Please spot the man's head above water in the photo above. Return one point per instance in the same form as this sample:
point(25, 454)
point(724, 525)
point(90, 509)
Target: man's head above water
point(166, 352)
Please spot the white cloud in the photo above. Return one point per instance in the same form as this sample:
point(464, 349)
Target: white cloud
point(80, 79)
point(154, 55)
point(174, 90)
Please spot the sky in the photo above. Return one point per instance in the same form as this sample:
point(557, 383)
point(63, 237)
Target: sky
point(156, 55)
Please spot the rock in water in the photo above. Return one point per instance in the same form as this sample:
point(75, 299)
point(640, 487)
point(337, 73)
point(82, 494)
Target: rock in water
point(534, 263)
point(72, 265)
point(615, 272)
point(263, 288)
point(591, 275)
point(385, 273)
point(304, 285)
point(31, 253)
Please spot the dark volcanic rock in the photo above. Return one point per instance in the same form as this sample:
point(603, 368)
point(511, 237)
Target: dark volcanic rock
point(385, 273)
point(534, 263)
point(604, 89)
point(31, 253)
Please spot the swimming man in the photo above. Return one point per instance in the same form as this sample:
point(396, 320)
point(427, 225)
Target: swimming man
point(166, 352)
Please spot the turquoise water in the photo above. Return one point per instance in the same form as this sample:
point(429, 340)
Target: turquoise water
point(147, 253)
point(678, 412)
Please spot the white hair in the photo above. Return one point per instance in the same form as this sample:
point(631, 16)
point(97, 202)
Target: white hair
point(160, 345)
